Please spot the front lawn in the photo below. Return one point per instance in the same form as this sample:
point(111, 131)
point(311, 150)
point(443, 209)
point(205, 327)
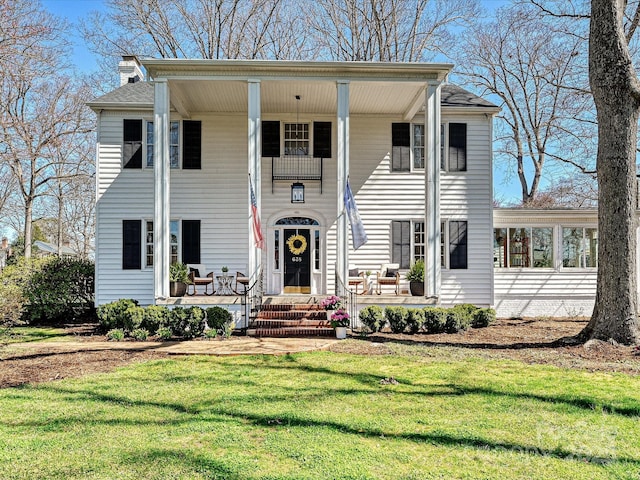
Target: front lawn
point(324, 415)
point(33, 334)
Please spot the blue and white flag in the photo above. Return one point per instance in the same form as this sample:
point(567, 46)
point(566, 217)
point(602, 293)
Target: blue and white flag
point(358, 235)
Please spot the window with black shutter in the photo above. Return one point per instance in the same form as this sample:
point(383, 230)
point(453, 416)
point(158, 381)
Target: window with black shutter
point(132, 143)
point(322, 139)
point(401, 243)
point(457, 147)
point(192, 144)
point(400, 147)
point(457, 244)
point(131, 244)
point(270, 138)
point(190, 241)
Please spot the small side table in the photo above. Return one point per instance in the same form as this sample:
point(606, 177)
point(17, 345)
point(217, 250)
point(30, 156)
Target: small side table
point(224, 285)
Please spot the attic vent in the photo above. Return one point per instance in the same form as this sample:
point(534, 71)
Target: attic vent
point(133, 79)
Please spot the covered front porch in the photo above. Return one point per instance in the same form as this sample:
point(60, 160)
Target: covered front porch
point(298, 241)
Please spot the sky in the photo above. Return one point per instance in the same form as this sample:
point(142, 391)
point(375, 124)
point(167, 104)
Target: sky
point(506, 188)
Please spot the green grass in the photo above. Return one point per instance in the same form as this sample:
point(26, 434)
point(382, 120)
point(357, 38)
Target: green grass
point(324, 416)
point(33, 334)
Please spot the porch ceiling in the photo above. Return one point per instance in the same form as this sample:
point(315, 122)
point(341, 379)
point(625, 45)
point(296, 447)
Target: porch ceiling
point(278, 96)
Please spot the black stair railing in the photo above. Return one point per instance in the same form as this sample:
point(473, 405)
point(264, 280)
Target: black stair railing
point(349, 300)
point(251, 299)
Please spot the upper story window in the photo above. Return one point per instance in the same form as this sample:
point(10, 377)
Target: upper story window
point(453, 147)
point(296, 139)
point(133, 144)
point(407, 147)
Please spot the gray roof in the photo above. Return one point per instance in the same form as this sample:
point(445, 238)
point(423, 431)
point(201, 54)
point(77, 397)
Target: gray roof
point(52, 249)
point(140, 94)
point(455, 96)
point(129, 94)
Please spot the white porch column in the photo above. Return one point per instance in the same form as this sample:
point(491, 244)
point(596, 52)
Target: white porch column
point(432, 190)
point(342, 238)
point(255, 172)
point(161, 257)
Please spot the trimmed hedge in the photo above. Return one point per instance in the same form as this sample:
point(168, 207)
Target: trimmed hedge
point(373, 318)
point(397, 318)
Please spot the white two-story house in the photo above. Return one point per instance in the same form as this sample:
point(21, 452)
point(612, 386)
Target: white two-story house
point(191, 152)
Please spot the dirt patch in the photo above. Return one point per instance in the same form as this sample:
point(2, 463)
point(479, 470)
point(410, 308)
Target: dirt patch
point(533, 341)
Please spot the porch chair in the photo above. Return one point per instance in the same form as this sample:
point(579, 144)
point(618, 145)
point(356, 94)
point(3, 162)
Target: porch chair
point(243, 280)
point(388, 275)
point(198, 277)
point(356, 277)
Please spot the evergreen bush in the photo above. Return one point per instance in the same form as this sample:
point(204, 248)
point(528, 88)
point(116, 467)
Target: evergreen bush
point(372, 317)
point(415, 319)
point(483, 317)
point(397, 318)
point(435, 319)
point(114, 315)
point(155, 317)
point(218, 317)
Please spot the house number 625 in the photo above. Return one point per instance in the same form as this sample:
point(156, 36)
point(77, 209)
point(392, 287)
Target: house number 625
point(296, 259)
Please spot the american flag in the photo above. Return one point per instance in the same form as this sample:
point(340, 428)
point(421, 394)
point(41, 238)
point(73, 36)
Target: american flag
point(257, 228)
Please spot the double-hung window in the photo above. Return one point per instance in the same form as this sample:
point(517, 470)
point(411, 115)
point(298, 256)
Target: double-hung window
point(407, 147)
point(296, 139)
point(138, 237)
point(190, 140)
point(407, 242)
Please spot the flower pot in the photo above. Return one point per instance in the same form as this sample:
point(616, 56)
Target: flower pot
point(329, 313)
point(341, 332)
point(177, 289)
point(417, 289)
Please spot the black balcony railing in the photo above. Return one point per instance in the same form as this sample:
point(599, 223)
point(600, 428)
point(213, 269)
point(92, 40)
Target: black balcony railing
point(291, 167)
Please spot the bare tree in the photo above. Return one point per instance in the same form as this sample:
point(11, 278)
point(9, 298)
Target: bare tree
point(387, 30)
point(36, 114)
point(196, 29)
point(520, 58)
point(616, 91)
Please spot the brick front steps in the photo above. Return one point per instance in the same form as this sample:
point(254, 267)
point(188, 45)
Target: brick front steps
point(291, 320)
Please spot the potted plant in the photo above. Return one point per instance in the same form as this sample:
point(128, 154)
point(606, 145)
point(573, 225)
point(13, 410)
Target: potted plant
point(225, 269)
point(339, 322)
point(415, 275)
point(178, 279)
point(331, 303)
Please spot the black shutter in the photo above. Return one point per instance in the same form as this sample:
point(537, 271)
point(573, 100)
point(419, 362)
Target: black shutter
point(270, 138)
point(401, 243)
point(132, 143)
point(322, 139)
point(400, 147)
point(131, 244)
point(191, 144)
point(458, 147)
point(457, 244)
point(191, 241)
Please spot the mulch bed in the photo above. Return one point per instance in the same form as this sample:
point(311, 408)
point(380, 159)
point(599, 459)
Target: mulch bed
point(533, 341)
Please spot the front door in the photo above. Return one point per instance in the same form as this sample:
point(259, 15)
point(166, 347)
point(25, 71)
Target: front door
point(297, 260)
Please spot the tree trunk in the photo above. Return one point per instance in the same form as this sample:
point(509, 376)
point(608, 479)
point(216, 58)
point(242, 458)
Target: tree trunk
point(28, 223)
point(617, 97)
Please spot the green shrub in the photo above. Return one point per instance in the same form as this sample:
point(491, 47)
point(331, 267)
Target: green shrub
point(483, 317)
point(61, 290)
point(435, 319)
point(132, 318)
point(467, 310)
point(372, 317)
point(416, 272)
point(187, 322)
point(211, 333)
point(114, 314)
point(415, 319)
point(115, 334)
point(155, 317)
point(458, 320)
point(397, 318)
point(140, 334)
point(164, 333)
point(218, 317)
point(13, 281)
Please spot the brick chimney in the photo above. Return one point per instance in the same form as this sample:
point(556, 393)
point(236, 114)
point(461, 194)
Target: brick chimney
point(129, 69)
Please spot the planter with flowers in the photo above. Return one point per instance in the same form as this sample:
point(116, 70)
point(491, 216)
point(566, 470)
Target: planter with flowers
point(330, 304)
point(340, 322)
